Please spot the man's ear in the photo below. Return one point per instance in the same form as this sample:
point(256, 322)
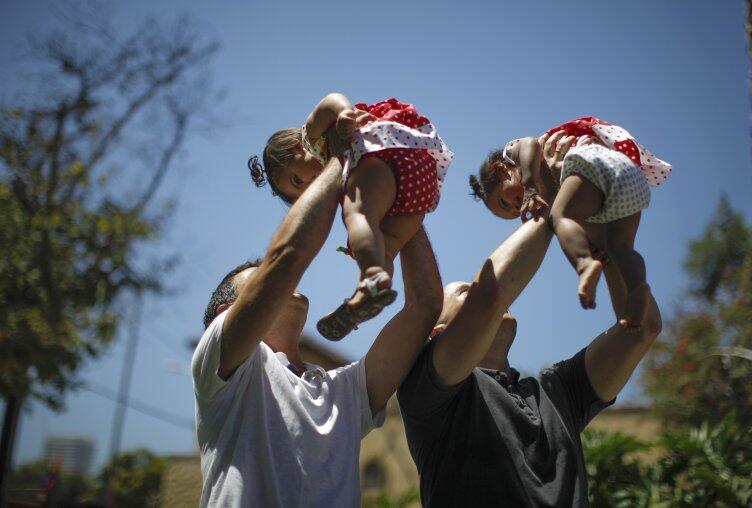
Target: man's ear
point(221, 308)
point(437, 330)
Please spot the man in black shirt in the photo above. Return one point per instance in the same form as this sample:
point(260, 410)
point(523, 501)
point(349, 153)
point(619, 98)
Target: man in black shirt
point(480, 435)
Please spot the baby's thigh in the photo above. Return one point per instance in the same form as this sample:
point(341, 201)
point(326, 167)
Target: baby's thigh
point(622, 232)
point(398, 230)
point(597, 234)
point(578, 198)
point(370, 188)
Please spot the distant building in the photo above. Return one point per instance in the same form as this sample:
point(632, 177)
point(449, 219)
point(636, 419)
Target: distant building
point(72, 454)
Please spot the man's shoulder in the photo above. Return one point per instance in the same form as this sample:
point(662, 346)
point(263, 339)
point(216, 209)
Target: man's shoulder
point(419, 368)
point(564, 368)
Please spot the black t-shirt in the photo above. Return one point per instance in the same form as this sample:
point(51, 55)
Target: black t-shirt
point(495, 441)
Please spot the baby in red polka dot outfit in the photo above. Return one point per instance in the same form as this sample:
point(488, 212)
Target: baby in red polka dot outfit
point(600, 186)
point(394, 163)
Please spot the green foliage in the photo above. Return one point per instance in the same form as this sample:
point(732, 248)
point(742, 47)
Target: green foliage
point(700, 466)
point(134, 479)
point(74, 195)
point(698, 370)
point(715, 259)
point(36, 481)
point(614, 478)
point(410, 497)
point(709, 465)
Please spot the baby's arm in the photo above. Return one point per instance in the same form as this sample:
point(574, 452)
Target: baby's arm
point(537, 159)
point(529, 157)
point(335, 110)
point(325, 114)
point(528, 154)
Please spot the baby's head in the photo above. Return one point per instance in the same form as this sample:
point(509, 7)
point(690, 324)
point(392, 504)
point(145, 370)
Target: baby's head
point(288, 167)
point(498, 185)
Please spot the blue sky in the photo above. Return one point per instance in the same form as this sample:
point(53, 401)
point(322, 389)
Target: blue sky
point(674, 73)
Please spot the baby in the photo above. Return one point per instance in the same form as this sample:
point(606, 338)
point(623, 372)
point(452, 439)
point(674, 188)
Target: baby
point(394, 163)
point(603, 180)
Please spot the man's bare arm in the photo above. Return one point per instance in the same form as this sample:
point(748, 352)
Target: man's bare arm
point(292, 248)
point(397, 346)
point(612, 357)
point(500, 281)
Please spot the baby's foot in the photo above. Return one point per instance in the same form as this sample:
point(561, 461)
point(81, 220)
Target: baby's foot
point(637, 302)
point(589, 276)
point(384, 282)
point(373, 294)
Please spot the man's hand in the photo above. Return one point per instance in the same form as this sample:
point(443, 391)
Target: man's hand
point(555, 147)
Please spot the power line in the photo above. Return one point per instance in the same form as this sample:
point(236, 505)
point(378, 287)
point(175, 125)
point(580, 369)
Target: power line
point(141, 407)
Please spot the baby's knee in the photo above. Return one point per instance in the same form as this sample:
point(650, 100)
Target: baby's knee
point(558, 212)
point(619, 244)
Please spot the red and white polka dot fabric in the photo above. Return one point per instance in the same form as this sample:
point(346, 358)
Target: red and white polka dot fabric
point(409, 144)
point(617, 138)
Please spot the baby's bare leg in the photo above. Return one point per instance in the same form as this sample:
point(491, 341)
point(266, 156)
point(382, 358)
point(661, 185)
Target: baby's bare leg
point(621, 236)
point(370, 192)
point(577, 200)
point(397, 231)
point(617, 288)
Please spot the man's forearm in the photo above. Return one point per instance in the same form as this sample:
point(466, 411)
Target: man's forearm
point(503, 276)
point(307, 224)
point(517, 259)
point(421, 276)
point(395, 349)
point(613, 356)
point(293, 247)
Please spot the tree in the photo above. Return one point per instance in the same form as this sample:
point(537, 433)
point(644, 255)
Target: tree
point(134, 479)
point(43, 482)
point(699, 370)
point(81, 162)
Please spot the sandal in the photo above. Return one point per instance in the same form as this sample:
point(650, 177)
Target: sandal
point(337, 324)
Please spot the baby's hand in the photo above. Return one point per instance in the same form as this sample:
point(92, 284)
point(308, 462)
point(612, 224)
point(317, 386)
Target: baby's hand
point(532, 205)
point(350, 120)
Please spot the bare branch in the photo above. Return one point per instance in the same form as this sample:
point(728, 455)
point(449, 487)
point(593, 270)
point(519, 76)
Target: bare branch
point(181, 124)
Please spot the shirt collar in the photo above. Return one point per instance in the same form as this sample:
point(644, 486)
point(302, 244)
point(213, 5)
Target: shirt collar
point(502, 377)
point(309, 367)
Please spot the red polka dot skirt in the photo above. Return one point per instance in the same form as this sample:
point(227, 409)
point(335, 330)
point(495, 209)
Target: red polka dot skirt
point(407, 142)
point(616, 138)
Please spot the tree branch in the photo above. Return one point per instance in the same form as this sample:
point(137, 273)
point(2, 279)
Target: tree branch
point(181, 124)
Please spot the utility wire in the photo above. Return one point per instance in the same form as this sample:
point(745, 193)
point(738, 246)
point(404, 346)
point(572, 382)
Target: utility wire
point(141, 407)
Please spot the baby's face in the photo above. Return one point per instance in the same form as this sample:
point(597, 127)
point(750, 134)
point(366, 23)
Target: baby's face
point(505, 200)
point(294, 179)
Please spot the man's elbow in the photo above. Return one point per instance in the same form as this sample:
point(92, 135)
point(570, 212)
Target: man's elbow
point(652, 328)
point(652, 323)
point(283, 255)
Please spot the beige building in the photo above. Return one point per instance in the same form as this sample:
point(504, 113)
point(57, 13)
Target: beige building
point(385, 462)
